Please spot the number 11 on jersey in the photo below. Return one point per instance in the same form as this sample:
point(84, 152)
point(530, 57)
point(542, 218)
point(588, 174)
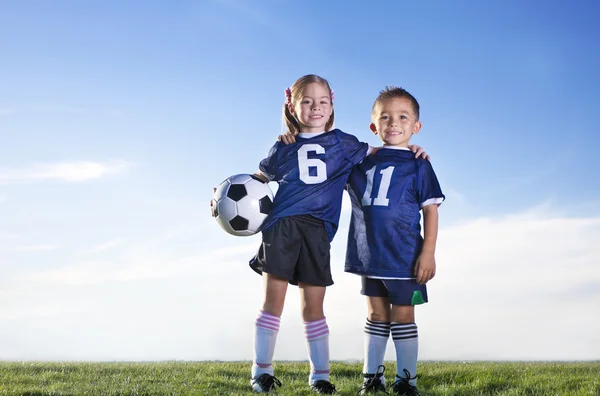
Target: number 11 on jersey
point(381, 198)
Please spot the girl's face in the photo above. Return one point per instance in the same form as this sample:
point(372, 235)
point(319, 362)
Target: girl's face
point(313, 109)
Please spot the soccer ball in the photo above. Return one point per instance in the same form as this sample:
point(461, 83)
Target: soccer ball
point(241, 203)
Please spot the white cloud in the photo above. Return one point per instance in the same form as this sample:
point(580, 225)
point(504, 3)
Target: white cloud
point(105, 246)
point(139, 263)
point(522, 286)
point(77, 171)
point(33, 248)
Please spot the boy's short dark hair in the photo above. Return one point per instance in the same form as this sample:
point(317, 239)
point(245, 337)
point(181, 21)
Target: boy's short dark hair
point(390, 92)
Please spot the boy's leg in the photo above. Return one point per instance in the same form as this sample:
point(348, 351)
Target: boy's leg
point(267, 325)
point(316, 331)
point(406, 340)
point(377, 332)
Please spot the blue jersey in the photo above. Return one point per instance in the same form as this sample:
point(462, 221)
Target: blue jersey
point(312, 174)
point(387, 191)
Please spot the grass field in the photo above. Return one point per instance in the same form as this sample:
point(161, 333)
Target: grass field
point(231, 378)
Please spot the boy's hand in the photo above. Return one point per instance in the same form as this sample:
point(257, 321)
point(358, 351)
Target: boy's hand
point(287, 138)
point(425, 268)
point(419, 151)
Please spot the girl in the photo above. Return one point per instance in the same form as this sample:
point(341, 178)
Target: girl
point(303, 221)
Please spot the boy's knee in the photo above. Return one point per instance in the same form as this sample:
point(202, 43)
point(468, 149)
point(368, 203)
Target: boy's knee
point(403, 314)
point(379, 316)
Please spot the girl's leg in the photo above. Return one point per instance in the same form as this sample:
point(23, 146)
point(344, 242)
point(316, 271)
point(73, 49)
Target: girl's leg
point(267, 325)
point(316, 331)
point(377, 332)
point(406, 340)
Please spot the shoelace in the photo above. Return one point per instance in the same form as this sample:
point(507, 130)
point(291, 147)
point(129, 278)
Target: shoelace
point(369, 384)
point(325, 386)
point(403, 381)
point(268, 381)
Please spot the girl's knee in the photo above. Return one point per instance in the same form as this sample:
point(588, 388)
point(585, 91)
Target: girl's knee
point(273, 307)
point(312, 313)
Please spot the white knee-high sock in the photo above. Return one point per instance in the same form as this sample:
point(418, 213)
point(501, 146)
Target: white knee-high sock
point(406, 340)
point(317, 342)
point(265, 337)
point(376, 338)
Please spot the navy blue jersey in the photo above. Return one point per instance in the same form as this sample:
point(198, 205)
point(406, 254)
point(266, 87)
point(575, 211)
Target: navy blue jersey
point(312, 174)
point(387, 191)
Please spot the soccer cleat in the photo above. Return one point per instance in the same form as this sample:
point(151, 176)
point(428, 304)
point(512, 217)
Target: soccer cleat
point(403, 387)
point(373, 382)
point(323, 387)
point(264, 383)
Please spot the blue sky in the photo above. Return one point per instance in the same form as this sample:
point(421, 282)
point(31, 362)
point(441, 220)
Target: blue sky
point(117, 119)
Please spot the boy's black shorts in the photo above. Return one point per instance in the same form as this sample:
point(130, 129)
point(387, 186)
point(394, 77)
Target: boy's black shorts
point(295, 248)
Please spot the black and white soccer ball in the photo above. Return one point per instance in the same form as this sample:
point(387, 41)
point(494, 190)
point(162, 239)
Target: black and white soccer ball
point(241, 204)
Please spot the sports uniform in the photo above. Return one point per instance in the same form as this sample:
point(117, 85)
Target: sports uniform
point(312, 175)
point(387, 191)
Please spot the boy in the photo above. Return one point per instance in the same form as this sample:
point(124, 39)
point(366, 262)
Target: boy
point(388, 190)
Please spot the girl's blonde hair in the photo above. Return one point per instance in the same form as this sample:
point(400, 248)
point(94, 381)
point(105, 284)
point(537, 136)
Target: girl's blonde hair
point(294, 94)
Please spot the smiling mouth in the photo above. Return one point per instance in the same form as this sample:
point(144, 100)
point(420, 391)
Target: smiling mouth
point(315, 117)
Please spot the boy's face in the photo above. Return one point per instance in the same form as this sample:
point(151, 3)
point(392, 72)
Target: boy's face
point(314, 108)
point(395, 121)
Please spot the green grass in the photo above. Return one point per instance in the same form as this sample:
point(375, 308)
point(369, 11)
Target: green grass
point(231, 378)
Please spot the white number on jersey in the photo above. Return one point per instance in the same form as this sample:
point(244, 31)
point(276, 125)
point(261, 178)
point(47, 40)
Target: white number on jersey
point(304, 163)
point(384, 186)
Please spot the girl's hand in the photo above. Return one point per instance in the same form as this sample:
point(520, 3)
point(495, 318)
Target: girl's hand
point(419, 151)
point(212, 205)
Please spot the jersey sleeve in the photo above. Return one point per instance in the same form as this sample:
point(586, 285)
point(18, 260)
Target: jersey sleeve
point(428, 188)
point(354, 150)
point(270, 165)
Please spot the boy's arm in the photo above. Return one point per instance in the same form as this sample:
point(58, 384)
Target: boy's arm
point(425, 267)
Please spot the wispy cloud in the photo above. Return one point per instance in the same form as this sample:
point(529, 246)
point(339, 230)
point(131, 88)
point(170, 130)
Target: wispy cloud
point(105, 246)
point(77, 171)
point(56, 108)
point(33, 248)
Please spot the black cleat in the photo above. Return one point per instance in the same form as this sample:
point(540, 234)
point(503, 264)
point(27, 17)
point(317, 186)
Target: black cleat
point(323, 387)
point(373, 383)
point(264, 383)
point(403, 387)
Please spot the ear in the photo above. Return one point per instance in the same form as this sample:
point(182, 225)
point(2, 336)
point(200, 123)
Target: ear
point(417, 127)
point(373, 128)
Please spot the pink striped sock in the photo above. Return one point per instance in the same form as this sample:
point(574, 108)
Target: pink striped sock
point(317, 341)
point(265, 337)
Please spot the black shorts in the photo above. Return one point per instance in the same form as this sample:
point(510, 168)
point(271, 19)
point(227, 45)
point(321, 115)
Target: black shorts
point(397, 291)
point(295, 248)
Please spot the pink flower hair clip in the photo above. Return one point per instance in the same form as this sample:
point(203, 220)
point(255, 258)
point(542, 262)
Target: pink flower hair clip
point(332, 95)
point(288, 96)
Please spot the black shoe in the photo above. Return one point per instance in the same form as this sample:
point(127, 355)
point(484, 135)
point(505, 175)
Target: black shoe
point(403, 387)
point(264, 383)
point(372, 382)
point(323, 387)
